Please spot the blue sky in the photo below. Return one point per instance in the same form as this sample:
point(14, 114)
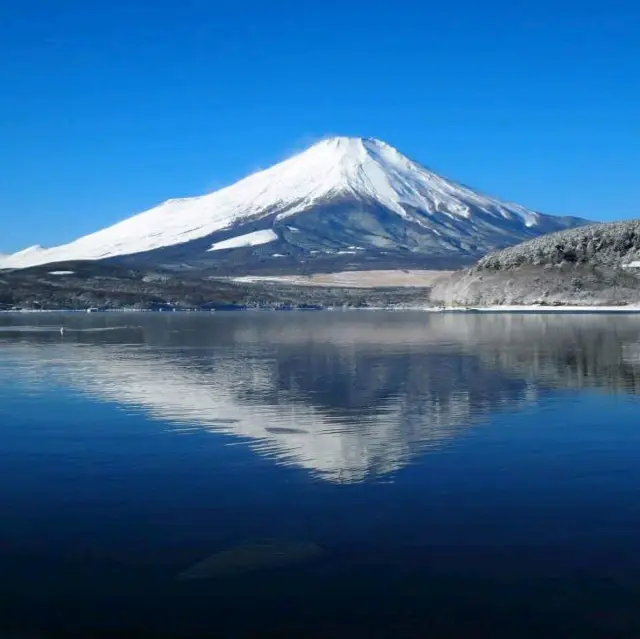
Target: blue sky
point(110, 107)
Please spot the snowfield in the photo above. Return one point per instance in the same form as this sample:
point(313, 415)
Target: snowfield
point(250, 239)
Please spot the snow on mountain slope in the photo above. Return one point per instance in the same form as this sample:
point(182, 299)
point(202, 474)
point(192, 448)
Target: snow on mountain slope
point(250, 239)
point(343, 189)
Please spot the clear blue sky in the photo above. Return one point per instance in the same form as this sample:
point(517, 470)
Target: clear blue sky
point(109, 107)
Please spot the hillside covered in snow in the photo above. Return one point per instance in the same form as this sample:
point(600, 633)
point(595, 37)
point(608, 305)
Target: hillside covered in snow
point(342, 203)
point(597, 265)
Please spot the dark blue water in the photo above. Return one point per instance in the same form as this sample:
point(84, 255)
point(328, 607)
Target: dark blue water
point(459, 475)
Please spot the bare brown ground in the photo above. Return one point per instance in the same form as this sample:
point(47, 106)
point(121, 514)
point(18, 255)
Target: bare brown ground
point(357, 279)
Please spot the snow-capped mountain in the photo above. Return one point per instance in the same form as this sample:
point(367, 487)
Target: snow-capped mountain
point(348, 200)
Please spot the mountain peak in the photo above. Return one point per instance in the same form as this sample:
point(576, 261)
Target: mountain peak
point(366, 167)
point(349, 143)
point(356, 149)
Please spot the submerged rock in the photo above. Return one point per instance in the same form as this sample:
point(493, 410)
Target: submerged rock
point(252, 557)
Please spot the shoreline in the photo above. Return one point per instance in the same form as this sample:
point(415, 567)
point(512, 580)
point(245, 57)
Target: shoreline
point(540, 309)
point(505, 309)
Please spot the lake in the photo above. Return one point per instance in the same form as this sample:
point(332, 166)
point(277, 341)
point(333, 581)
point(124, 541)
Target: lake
point(329, 474)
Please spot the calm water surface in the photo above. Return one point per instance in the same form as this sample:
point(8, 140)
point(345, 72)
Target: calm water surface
point(458, 475)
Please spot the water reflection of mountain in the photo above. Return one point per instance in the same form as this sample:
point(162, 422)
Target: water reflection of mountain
point(345, 395)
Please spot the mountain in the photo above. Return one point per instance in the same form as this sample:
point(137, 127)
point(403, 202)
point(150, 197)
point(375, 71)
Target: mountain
point(343, 202)
point(596, 265)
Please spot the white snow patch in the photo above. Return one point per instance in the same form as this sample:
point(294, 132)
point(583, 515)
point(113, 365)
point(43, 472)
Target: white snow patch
point(250, 239)
point(61, 272)
point(635, 264)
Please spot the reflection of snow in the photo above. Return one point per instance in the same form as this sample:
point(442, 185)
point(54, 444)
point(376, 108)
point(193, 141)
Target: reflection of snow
point(235, 396)
point(303, 435)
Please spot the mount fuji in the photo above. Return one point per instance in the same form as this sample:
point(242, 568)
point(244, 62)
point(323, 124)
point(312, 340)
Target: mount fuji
point(343, 203)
